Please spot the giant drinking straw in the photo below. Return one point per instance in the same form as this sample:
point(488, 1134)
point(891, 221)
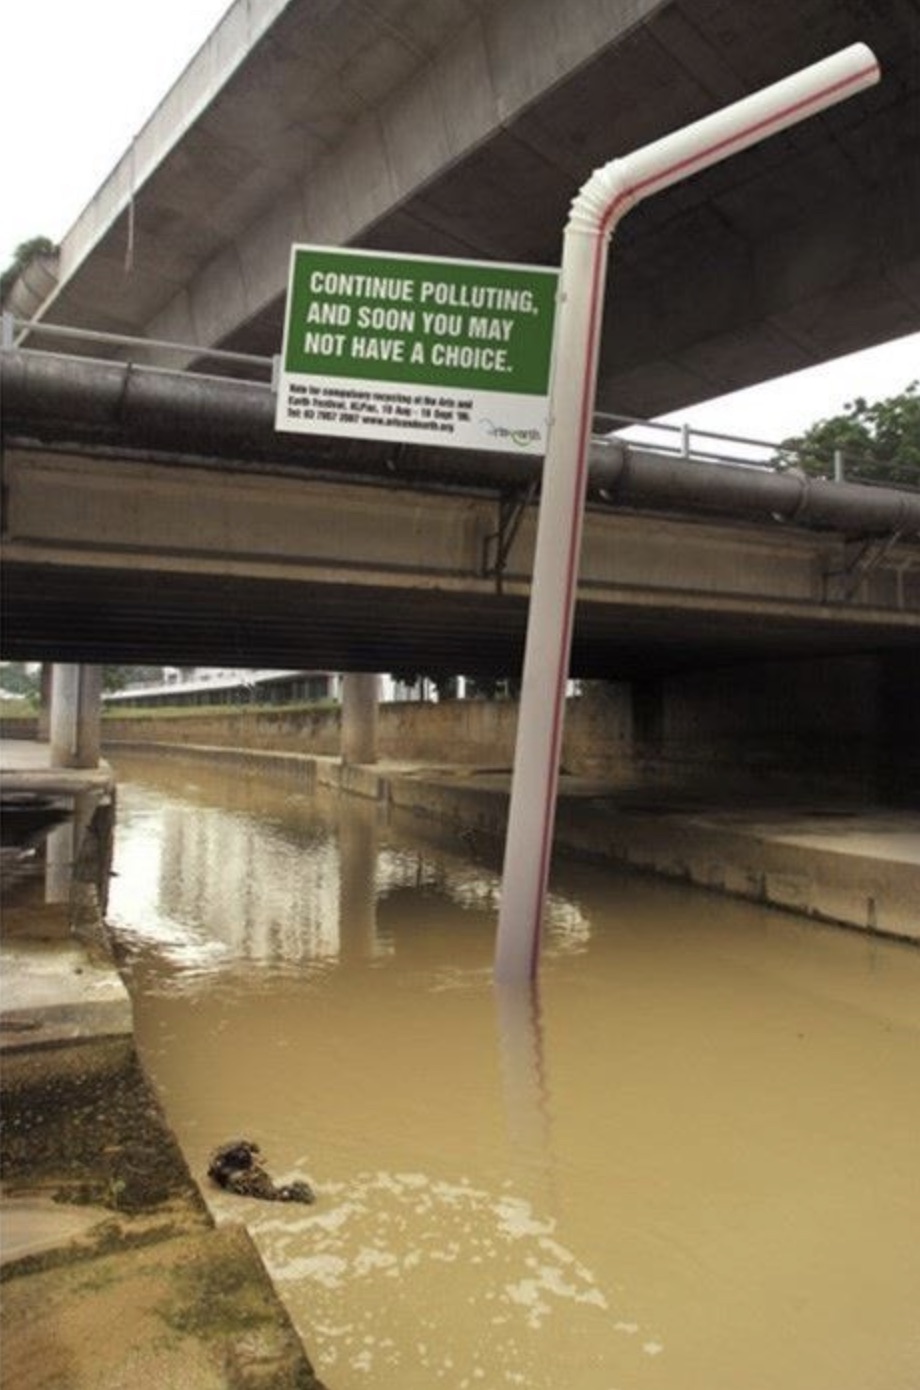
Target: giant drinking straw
point(609, 193)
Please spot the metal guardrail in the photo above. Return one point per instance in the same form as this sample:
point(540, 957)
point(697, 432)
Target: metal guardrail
point(628, 429)
point(11, 326)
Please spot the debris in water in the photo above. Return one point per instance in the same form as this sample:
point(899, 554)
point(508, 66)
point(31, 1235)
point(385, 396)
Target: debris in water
point(238, 1167)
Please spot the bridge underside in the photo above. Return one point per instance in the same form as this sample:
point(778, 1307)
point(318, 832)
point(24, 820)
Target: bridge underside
point(127, 615)
point(465, 130)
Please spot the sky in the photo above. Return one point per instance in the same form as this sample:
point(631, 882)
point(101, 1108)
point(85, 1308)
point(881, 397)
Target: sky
point(80, 77)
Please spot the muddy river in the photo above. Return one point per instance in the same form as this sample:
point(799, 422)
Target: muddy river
point(692, 1163)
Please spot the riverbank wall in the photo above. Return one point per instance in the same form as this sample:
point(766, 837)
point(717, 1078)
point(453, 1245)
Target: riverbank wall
point(840, 729)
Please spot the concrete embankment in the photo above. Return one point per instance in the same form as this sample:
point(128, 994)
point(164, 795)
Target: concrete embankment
point(113, 1271)
point(845, 863)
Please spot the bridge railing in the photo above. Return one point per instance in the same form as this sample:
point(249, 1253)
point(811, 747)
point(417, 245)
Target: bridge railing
point(692, 443)
point(14, 330)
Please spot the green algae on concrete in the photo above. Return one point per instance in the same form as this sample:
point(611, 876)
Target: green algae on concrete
point(97, 1137)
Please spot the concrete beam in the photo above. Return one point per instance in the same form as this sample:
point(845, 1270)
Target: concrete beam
point(64, 507)
point(112, 558)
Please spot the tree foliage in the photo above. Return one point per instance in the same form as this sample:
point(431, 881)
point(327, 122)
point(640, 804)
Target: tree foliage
point(17, 679)
point(26, 252)
point(24, 678)
point(120, 677)
point(880, 441)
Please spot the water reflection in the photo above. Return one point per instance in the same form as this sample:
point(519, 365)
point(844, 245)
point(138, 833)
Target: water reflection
point(296, 883)
point(357, 878)
point(523, 1067)
point(691, 1162)
point(267, 897)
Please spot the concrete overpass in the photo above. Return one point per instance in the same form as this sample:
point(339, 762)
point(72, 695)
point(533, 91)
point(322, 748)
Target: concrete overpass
point(157, 516)
point(464, 127)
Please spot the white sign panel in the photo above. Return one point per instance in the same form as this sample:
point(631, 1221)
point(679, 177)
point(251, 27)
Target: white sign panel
point(417, 349)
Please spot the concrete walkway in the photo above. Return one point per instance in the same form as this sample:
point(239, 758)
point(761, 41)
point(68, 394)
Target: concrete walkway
point(25, 765)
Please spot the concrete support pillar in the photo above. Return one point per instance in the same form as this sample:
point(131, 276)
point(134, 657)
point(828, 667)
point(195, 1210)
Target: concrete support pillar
point(359, 717)
point(76, 714)
point(62, 849)
point(44, 707)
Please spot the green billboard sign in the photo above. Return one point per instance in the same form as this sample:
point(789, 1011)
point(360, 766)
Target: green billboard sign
point(417, 349)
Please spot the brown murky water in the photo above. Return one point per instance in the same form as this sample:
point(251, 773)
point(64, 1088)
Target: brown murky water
point(692, 1165)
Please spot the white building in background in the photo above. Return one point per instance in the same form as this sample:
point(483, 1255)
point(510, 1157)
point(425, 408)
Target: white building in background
point(213, 685)
point(424, 688)
point(221, 685)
